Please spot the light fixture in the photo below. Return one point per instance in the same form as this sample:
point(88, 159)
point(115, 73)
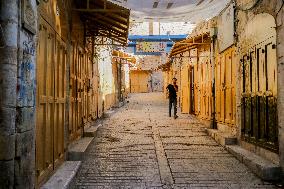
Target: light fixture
point(155, 5)
point(201, 1)
point(169, 5)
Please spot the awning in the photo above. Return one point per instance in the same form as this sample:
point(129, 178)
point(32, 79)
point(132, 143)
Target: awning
point(190, 43)
point(173, 10)
point(104, 19)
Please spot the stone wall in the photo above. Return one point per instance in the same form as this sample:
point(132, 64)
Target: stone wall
point(280, 105)
point(246, 10)
point(17, 94)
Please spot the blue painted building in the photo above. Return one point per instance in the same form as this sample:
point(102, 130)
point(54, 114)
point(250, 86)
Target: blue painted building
point(168, 39)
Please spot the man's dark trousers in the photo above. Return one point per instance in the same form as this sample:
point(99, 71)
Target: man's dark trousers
point(172, 101)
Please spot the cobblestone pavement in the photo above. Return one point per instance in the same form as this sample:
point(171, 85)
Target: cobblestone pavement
point(140, 147)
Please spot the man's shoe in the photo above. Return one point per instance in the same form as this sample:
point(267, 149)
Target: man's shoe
point(176, 117)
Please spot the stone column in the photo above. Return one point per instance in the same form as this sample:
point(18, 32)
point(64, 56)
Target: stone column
point(17, 93)
point(26, 97)
point(280, 105)
point(8, 85)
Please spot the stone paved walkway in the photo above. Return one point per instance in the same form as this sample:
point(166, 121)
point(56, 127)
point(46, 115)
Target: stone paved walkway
point(140, 147)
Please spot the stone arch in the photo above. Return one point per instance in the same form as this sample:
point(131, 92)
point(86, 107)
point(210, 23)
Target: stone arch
point(258, 29)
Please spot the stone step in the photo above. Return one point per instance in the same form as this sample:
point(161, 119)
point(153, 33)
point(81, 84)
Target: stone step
point(221, 137)
point(77, 149)
point(64, 176)
point(263, 168)
point(108, 113)
point(91, 131)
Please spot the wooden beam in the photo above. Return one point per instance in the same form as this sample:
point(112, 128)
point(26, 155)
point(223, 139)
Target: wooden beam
point(108, 25)
point(116, 17)
point(118, 24)
point(182, 51)
point(112, 6)
point(117, 39)
point(107, 28)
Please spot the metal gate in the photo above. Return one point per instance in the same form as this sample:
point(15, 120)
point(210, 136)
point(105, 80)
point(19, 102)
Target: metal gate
point(259, 97)
point(51, 67)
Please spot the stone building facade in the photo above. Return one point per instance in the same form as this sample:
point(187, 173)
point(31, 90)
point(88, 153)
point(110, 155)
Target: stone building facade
point(246, 54)
point(247, 12)
point(50, 86)
point(17, 94)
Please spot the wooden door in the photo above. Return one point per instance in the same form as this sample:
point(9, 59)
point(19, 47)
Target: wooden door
point(143, 82)
point(225, 77)
point(51, 61)
point(59, 100)
point(75, 87)
point(139, 81)
point(44, 126)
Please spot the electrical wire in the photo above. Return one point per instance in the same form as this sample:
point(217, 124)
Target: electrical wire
point(280, 8)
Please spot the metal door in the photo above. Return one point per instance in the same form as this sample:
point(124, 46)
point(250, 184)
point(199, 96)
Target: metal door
point(205, 96)
point(192, 95)
point(259, 97)
point(59, 100)
point(225, 73)
point(75, 118)
point(50, 101)
point(185, 88)
point(196, 89)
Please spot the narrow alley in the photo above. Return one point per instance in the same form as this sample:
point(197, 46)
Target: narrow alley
point(141, 147)
point(141, 94)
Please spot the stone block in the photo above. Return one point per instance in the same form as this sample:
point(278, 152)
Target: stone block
point(9, 10)
point(7, 174)
point(64, 177)
point(222, 138)
point(263, 168)
point(25, 143)
point(25, 119)
point(108, 113)
point(233, 150)
point(8, 84)
point(91, 131)
point(10, 31)
point(25, 171)
point(26, 82)
point(77, 149)
point(7, 147)
point(7, 120)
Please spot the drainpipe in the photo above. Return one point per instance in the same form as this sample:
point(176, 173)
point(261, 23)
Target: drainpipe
point(213, 35)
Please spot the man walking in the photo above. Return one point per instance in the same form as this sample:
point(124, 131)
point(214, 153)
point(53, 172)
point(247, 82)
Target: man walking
point(172, 94)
